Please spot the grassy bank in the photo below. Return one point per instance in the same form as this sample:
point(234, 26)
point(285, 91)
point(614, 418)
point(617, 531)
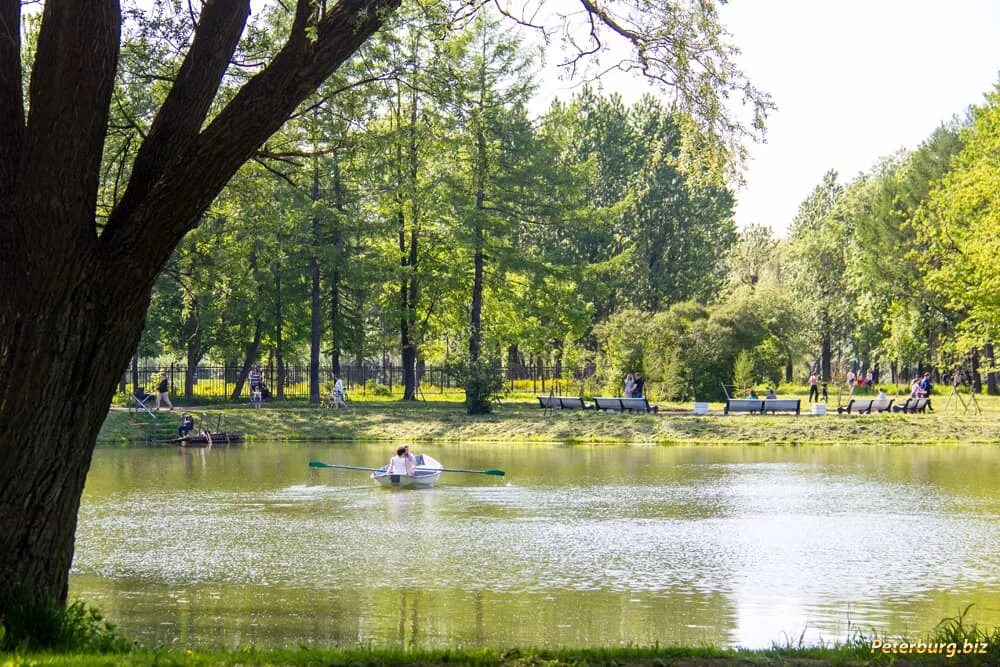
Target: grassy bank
point(638, 657)
point(524, 421)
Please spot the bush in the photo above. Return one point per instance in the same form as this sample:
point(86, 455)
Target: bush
point(376, 389)
point(31, 624)
point(484, 386)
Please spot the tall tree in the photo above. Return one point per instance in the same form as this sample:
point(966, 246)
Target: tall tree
point(85, 284)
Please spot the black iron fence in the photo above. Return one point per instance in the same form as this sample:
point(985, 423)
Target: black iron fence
point(219, 382)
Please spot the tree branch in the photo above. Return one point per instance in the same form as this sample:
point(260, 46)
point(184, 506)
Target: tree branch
point(70, 95)
point(183, 112)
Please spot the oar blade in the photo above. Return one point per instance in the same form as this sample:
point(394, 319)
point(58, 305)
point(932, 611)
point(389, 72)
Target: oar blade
point(497, 473)
point(319, 464)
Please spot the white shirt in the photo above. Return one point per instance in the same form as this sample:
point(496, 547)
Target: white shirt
point(397, 466)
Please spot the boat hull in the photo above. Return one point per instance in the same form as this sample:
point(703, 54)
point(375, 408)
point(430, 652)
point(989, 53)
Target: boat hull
point(425, 475)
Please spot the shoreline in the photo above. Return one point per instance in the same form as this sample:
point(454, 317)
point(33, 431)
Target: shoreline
point(521, 421)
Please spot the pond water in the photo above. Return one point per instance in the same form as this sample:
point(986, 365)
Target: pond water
point(576, 546)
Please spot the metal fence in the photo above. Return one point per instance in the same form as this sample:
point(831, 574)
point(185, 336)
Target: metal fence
point(219, 382)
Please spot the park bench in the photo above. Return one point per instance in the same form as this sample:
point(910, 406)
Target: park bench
point(774, 405)
point(920, 405)
point(751, 405)
point(638, 405)
point(904, 406)
point(550, 402)
point(572, 403)
point(608, 403)
point(881, 405)
point(562, 402)
point(857, 406)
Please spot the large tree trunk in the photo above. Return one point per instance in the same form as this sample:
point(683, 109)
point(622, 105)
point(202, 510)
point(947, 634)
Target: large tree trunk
point(279, 339)
point(316, 325)
point(991, 375)
point(825, 356)
point(977, 380)
point(337, 326)
point(252, 350)
point(60, 364)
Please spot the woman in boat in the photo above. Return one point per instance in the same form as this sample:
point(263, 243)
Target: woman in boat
point(401, 464)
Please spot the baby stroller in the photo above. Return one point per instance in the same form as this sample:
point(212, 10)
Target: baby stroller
point(139, 400)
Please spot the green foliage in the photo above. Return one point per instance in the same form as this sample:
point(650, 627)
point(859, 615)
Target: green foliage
point(31, 624)
point(483, 383)
point(620, 342)
point(743, 371)
point(373, 387)
point(768, 360)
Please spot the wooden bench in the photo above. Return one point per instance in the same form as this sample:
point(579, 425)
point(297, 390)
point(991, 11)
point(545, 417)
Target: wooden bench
point(751, 405)
point(638, 405)
point(572, 403)
point(904, 406)
point(550, 402)
point(562, 402)
point(920, 405)
point(608, 403)
point(881, 405)
point(857, 406)
point(774, 405)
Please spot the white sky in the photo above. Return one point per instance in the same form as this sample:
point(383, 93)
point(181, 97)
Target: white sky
point(854, 80)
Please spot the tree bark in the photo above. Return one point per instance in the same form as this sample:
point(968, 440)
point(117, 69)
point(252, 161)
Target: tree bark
point(279, 341)
point(977, 380)
point(991, 375)
point(316, 323)
point(825, 358)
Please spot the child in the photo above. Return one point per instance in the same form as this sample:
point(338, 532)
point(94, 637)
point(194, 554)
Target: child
point(186, 426)
point(255, 398)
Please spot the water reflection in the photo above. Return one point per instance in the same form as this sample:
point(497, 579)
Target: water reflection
point(577, 546)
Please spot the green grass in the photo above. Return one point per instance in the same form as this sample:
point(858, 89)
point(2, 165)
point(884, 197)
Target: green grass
point(855, 652)
point(521, 420)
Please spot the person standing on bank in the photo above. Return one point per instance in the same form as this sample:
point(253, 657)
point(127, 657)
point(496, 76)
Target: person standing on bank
point(629, 385)
point(163, 391)
point(640, 387)
point(813, 388)
point(255, 378)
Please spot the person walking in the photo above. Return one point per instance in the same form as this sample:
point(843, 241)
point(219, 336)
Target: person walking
point(338, 393)
point(163, 391)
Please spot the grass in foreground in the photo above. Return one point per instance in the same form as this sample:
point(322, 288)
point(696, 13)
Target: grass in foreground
point(851, 654)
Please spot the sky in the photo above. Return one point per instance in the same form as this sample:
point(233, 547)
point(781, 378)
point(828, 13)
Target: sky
point(854, 81)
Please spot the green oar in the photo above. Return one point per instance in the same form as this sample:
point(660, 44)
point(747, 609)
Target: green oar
point(498, 473)
point(320, 464)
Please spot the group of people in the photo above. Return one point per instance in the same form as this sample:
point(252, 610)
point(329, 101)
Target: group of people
point(921, 386)
point(635, 386)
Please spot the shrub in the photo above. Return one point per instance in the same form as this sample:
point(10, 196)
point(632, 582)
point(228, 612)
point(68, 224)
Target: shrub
point(31, 624)
point(376, 389)
point(484, 386)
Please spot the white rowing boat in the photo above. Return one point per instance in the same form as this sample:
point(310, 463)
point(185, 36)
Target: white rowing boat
point(424, 475)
